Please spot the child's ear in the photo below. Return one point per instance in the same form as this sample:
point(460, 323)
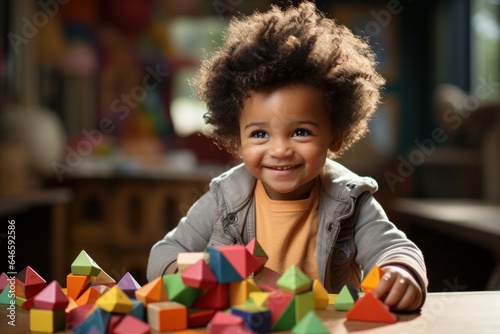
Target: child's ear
point(336, 144)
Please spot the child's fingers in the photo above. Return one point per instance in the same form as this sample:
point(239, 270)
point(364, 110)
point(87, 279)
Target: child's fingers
point(385, 284)
point(397, 292)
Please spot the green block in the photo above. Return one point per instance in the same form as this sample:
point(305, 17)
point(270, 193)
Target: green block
point(7, 296)
point(84, 265)
point(310, 324)
point(345, 299)
point(304, 303)
point(287, 319)
point(294, 281)
point(179, 292)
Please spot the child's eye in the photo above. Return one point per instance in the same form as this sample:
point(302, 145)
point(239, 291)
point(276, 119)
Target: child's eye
point(258, 134)
point(301, 133)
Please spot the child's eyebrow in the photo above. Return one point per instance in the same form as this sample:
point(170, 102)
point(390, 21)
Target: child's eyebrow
point(262, 124)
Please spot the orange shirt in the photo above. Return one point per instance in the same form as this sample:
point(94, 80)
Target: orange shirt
point(287, 231)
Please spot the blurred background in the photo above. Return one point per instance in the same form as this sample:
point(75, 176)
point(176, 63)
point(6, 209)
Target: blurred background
point(100, 145)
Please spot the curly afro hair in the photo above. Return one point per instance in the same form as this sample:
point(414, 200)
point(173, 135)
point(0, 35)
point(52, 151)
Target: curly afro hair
point(292, 46)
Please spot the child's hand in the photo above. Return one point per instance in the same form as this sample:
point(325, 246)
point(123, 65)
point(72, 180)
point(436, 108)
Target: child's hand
point(398, 289)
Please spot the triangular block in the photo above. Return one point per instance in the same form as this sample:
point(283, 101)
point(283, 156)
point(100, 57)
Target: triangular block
point(370, 308)
point(4, 281)
point(76, 284)
point(320, 295)
point(115, 301)
point(222, 322)
point(241, 260)
point(310, 323)
point(221, 267)
point(103, 279)
point(199, 276)
point(51, 298)
point(294, 281)
point(277, 303)
point(29, 283)
point(266, 279)
point(129, 324)
point(89, 296)
point(286, 320)
point(96, 322)
point(371, 280)
point(199, 318)
point(346, 298)
point(85, 265)
point(7, 297)
point(152, 292)
point(259, 298)
point(128, 284)
point(179, 292)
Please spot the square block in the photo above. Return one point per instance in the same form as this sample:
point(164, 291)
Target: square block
point(167, 316)
point(47, 321)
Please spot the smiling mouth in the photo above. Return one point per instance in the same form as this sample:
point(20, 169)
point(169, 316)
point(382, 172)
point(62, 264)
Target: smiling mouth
point(283, 167)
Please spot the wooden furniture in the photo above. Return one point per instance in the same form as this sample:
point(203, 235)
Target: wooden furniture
point(447, 312)
point(474, 221)
point(23, 208)
point(117, 218)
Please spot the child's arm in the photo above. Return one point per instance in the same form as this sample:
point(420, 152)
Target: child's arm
point(399, 289)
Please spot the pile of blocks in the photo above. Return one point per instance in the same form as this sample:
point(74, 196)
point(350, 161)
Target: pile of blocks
point(226, 289)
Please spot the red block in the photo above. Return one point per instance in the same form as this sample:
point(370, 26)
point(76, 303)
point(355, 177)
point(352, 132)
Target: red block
point(199, 275)
point(199, 318)
point(216, 298)
point(370, 308)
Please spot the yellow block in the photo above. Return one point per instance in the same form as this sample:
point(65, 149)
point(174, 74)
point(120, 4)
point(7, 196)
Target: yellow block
point(115, 301)
point(259, 298)
point(320, 295)
point(47, 321)
point(239, 291)
point(331, 298)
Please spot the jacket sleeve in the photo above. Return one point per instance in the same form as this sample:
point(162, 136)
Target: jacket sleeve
point(192, 234)
point(379, 242)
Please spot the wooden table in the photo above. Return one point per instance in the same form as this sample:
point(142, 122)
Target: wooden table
point(474, 221)
point(446, 312)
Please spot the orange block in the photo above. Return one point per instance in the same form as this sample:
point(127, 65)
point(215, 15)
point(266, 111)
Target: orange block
point(371, 281)
point(167, 316)
point(75, 285)
point(89, 296)
point(370, 308)
point(152, 292)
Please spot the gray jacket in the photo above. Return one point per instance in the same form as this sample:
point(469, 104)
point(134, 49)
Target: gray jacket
point(354, 232)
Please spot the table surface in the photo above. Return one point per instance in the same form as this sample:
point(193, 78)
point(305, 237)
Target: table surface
point(446, 312)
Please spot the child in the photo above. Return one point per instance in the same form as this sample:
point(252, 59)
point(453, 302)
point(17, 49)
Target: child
point(289, 90)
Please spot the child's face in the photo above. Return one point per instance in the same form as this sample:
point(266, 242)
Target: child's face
point(285, 137)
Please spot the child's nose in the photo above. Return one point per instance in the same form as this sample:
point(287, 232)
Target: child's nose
point(281, 148)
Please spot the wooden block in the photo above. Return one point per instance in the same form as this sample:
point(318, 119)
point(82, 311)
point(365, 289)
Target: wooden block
point(310, 323)
point(4, 281)
point(187, 259)
point(320, 295)
point(304, 303)
point(131, 325)
point(240, 259)
point(277, 303)
point(266, 279)
point(221, 267)
point(24, 303)
point(89, 296)
point(256, 319)
point(294, 281)
point(51, 298)
point(239, 291)
point(199, 317)
point(255, 249)
point(47, 321)
point(128, 284)
point(78, 314)
point(371, 281)
point(29, 283)
point(103, 279)
point(85, 265)
point(199, 275)
point(115, 301)
point(179, 292)
point(138, 310)
point(96, 322)
point(216, 298)
point(7, 296)
point(152, 292)
point(370, 308)
point(259, 298)
point(114, 320)
point(102, 289)
point(286, 320)
point(346, 298)
point(76, 284)
point(223, 321)
point(167, 316)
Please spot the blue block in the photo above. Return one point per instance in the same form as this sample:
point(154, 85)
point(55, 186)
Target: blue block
point(96, 323)
point(222, 269)
point(258, 320)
